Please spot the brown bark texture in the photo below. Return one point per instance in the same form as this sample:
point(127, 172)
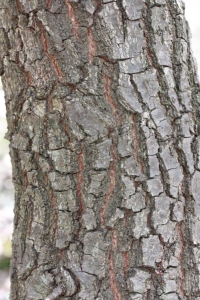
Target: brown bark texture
point(103, 118)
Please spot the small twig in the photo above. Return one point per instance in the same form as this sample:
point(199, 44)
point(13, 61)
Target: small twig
point(58, 291)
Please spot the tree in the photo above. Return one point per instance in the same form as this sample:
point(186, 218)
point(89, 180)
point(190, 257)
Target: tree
point(103, 116)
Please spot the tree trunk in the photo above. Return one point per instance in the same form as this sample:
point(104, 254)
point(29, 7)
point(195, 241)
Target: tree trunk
point(103, 121)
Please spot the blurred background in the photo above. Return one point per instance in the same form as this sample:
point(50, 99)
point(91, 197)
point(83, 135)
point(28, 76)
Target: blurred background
point(6, 187)
point(6, 204)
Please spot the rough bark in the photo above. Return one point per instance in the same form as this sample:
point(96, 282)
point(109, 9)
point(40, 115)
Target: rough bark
point(103, 121)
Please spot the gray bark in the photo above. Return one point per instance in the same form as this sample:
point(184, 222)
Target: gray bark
point(103, 121)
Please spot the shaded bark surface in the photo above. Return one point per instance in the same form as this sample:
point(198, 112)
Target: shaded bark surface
point(103, 121)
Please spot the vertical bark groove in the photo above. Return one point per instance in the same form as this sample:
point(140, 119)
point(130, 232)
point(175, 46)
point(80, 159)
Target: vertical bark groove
point(53, 60)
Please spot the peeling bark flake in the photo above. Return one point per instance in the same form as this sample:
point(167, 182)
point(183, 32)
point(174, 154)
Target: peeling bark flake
point(58, 291)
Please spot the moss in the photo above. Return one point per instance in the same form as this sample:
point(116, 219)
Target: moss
point(4, 262)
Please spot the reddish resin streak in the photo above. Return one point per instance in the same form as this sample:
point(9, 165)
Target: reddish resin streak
point(114, 240)
point(53, 60)
point(98, 6)
point(92, 46)
point(29, 78)
point(49, 105)
point(72, 18)
point(127, 215)
point(48, 4)
point(28, 74)
point(180, 259)
point(61, 255)
point(67, 132)
point(112, 172)
point(108, 96)
point(148, 294)
point(48, 98)
point(19, 6)
point(111, 187)
point(126, 263)
point(110, 101)
point(112, 278)
point(80, 182)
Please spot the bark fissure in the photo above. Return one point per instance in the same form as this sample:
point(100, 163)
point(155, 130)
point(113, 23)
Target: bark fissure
point(114, 288)
point(103, 121)
point(53, 60)
point(112, 176)
point(72, 18)
point(80, 187)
